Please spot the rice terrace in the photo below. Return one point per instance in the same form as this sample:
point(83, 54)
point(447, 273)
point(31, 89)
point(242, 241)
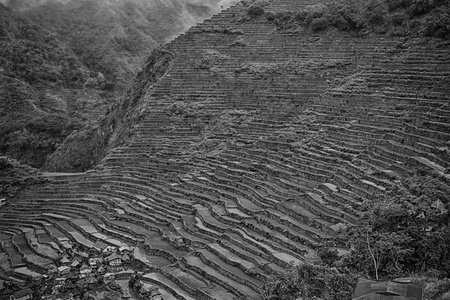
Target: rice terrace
point(280, 149)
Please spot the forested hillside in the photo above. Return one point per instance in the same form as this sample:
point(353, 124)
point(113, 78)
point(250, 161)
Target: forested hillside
point(408, 18)
point(63, 63)
point(33, 124)
point(115, 37)
point(32, 54)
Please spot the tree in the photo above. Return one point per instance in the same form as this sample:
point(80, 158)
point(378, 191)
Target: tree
point(386, 250)
point(406, 231)
point(257, 8)
point(319, 24)
point(379, 248)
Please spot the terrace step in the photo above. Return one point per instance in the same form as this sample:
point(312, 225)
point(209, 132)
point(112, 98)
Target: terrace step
point(196, 264)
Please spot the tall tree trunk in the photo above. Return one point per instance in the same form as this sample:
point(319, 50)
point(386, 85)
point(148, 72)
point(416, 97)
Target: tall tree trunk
point(375, 264)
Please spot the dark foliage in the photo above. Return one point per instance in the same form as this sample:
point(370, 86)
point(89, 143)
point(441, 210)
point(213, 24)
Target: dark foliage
point(328, 256)
point(319, 24)
point(255, 11)
point(409, 229)
point(30, 53)
point(309, 282)
point(404, 233)
point(79, 152)
point(115, 39)
point(397, 17)
point(28, 132)
point(16, 176)
point(36, 138)
point(33, 61)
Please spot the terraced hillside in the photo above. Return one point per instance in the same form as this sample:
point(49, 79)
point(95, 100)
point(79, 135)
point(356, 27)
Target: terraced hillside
point(250, 149)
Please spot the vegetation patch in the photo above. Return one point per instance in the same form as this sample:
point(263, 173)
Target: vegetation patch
point(116, 37)
point(27, 132)
point(256, 9)
point(189, 109)
point(87, 146)
point(310, 282)
point(398, 17)
point(265, 70)
point(403, 233)
point(79, 152)
point(38, 76)
point(407, 230)
point(35, 55)
point(224, 30)
point(253, 9)
point(209, 59)
point(238, 43)
point(16, 176)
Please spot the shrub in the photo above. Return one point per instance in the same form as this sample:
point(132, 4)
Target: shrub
point(398, 4)
point(286, 20)
point(420, 7)
point(340, 22)
point(255, 11)
point(309, 281)
point(437, 25)
point(352, 16)
point(270, 16)
point(374, 13)
point(238, 43)
point(397, 19)
point(316, 10)
point(320, 24)
point(437, 289)
point(328, 256)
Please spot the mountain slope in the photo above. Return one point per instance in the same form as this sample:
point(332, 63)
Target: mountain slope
point(31, 124)
point(115, 37)
point(35, 55)
point(347, 17)
point(73, 58)
point(244, 146)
